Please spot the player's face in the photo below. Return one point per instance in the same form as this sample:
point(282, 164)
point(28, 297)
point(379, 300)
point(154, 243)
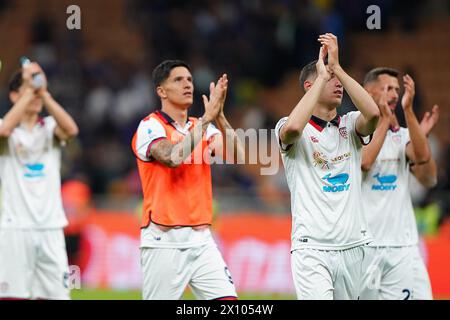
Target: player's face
point(333, 93)
point(34, 107)
point(178, 88)
point(392, 87)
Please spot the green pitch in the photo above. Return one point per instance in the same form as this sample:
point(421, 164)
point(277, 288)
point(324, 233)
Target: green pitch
point(136, 295)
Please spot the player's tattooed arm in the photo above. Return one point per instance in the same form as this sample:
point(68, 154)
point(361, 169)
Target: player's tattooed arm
point(418, 150)
point(370, 152)
point(299, 117)
point(367, 122)
point(173, 155)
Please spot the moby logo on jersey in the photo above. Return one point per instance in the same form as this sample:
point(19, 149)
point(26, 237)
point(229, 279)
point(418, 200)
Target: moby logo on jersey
point(34, 170)
point(386, 183)
point(337, 183)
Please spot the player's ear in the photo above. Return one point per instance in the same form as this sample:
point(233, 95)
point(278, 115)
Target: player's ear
point(161, 92)
point(13, 96)
point(307, 84)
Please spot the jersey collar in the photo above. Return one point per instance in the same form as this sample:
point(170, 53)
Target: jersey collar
point(320, 124)
point(394, 129)
point(168, 120)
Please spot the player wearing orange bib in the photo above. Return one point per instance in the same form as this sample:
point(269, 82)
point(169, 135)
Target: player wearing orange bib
point(173, 153)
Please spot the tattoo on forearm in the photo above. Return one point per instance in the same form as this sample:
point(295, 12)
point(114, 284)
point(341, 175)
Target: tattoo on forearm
point(174, 154)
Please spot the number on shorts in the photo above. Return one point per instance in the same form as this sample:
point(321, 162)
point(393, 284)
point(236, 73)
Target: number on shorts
point(408, 294)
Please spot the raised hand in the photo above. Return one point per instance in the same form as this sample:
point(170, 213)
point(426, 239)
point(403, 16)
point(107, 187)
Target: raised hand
point(410, 91)
point(429, 120)
point(383, 105)
point(217, 94)
point(322, 70)
point(223, 82)
point(28, 73)
point(330, 42)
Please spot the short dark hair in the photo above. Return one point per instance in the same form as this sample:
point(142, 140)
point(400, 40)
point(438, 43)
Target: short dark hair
point(373, 74)
point(308, 71)
point(162, 71)
point(16, 81)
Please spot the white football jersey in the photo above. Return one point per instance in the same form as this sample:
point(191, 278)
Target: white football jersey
point(323, 171)
point(30, 178)
point(386, 197)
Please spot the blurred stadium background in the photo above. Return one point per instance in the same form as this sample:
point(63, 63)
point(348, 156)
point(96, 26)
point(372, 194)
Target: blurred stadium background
point(101, 75)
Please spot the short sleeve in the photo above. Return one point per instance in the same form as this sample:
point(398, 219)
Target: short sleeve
point(361, 140)
point(283, 147)
point(211, 131)
point(405, 136)
point(149, 132)
point(50, 126)
point(405, 140)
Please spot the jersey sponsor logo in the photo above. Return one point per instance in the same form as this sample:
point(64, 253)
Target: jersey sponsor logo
point(343, 132)
point(34, 170)
point(390, 160)
point(344, 156)
point(320, 160)
point(385, 183)
point(337, 183)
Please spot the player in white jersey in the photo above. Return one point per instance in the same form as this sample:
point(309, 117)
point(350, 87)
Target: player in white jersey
point(32, 247)
point(322, 156)
point(393, 266)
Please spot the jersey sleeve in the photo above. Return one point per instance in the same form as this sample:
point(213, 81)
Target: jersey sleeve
point(405, 140)
point(283, 147)
point(405, 136)
point(149, 132)
point(359, 138)
point(50, 126)
point(211, 131)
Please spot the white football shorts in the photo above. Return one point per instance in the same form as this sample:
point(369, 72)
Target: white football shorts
point(327, 274)
point(167, 273)
point(33, 264)
point(395, 273)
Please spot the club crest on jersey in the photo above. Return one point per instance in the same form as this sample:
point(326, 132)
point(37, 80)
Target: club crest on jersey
point(397, 139)
point(343, 132)
point(320, 160)
point(385, 183)
point(336, 183)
